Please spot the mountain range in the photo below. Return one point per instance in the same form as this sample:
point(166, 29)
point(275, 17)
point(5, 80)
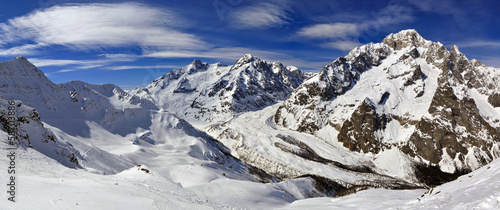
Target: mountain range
point(405, 113)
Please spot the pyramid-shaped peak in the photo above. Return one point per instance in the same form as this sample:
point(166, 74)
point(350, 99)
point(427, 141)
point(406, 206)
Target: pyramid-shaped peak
point(248, 55)
point(21, 71)
point(21, 58)
point(247, 58)
point(197, 63)
point(404, 38)
point(20, 63)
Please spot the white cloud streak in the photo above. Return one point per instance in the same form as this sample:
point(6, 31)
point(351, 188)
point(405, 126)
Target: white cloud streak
point(333, 30)
point(223, 53)
point(343, 45)
point(117, 68)
point(345, 36)
point(263, 15)
point(40, 62)
point(489, 44)
point(85, 27)
point(231, 54)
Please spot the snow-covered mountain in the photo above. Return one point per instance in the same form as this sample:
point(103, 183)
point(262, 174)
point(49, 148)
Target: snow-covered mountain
point(434, 105)
point(67, 106)
point(68, 122)
point(405, 113)
point(29, 132)
point(215, 93)
point(104, 130)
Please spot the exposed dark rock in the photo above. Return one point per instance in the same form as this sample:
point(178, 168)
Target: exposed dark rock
point(358, 133)
point(439, 133)
point(494, 99)
point(327, 186)
point(416, 75)
point(433, 176)
point(334, 79)
point(404, 39)
point(384, 98)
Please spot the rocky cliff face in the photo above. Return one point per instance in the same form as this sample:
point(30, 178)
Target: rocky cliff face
point(434, 105)
point(303, 109)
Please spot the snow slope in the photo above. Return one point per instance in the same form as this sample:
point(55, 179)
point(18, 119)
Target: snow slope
point(69, 105)
point(477, 190)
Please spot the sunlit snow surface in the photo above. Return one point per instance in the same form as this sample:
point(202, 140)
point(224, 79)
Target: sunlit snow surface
point(477, 190)
point(44, 183)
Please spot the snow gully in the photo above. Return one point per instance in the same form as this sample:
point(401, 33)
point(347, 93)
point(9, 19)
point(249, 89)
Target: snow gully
point(11, 156)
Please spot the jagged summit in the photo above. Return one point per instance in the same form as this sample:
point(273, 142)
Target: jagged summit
point(196, 62)
point(405, 38)
point(215, 92)
point(435, 103)
point(247, 58)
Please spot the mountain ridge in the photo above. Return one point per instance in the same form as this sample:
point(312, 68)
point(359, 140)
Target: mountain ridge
point(216, 92)
point(415, 68)
point(403, 113)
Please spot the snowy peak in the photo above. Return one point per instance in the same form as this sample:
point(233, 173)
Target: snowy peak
point(247, 58)
point(434, 104)
point(70, 105)
point(405, 39)
point(216, 92)
point(20, 69)
point(196, 66)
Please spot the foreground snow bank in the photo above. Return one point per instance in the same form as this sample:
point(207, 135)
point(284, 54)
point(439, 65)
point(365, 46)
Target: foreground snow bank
point(477, 190)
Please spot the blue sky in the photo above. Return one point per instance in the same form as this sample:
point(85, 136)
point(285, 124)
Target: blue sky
point(130, 43)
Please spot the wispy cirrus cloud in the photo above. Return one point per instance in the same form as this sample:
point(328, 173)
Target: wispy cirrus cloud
point(487, 44)
point(444, 7)
point(330, 30)
point(26, 49)
point(345, 45)
point(77, 65)
point(262, 15)
point(118, 68)
point(41, 62)
point(221, 53)
point(85, 27)
point(345, 35)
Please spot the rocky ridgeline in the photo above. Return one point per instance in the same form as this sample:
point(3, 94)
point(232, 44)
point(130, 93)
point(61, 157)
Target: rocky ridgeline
point(215, 93)
point(452, 134)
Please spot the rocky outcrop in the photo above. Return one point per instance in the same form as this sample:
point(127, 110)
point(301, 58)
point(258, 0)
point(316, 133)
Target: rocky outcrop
point(494, 99)
point(404, 39)
point(455, 128)
point(359, 133)
point(441, 125)
point(302, 110)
